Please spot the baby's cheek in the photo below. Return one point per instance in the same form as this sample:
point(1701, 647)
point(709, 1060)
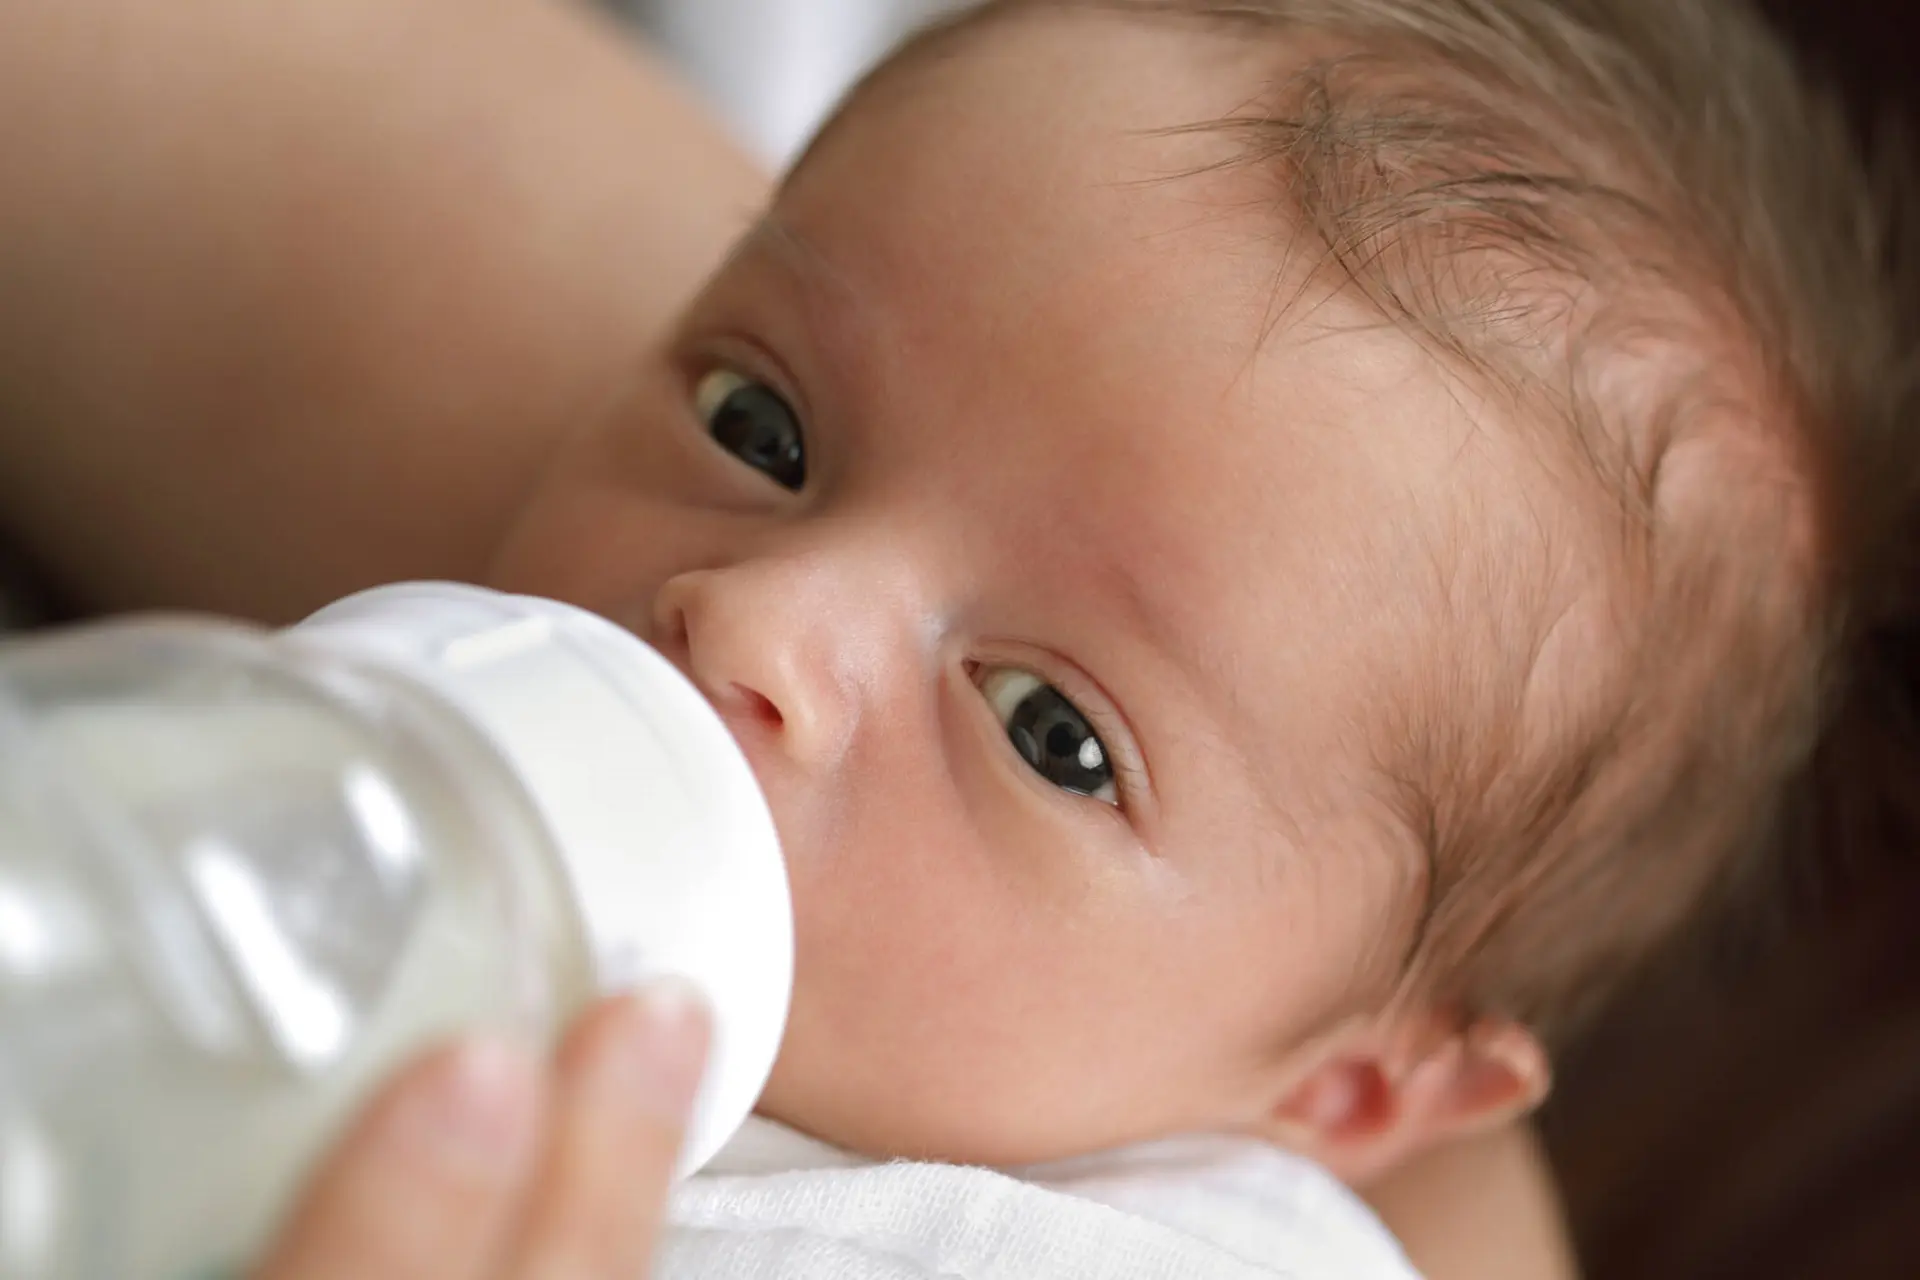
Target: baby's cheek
point(938, 1015)
point(910, 1031)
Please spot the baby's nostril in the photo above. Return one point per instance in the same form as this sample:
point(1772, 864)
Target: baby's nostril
point(759, 706)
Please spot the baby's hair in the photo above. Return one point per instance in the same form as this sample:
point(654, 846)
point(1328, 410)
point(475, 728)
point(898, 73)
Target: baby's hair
point(1635, 220)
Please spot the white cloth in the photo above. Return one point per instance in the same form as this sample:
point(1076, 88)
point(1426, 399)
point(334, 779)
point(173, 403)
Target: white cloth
point(778, 1206)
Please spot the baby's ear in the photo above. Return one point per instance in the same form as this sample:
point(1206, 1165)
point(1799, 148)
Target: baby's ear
point(1375, 1094)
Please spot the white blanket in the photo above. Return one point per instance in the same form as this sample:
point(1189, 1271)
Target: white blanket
point(777, 1206)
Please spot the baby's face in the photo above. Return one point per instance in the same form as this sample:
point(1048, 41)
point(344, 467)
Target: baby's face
point(1041, 560)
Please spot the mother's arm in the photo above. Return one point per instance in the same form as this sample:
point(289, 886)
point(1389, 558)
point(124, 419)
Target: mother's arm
point(297, 296)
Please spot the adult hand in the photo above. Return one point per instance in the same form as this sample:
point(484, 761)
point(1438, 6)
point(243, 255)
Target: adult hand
point(482, 1163)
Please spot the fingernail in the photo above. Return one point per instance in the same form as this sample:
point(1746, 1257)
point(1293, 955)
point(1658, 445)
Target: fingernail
point(653, 1049)
point(476, 1106)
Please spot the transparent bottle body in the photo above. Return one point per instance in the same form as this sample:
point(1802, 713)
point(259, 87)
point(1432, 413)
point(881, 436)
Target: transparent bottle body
point(240, 882)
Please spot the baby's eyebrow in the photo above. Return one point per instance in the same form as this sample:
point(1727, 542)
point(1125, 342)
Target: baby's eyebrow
point(840, 321)
point(785, 242)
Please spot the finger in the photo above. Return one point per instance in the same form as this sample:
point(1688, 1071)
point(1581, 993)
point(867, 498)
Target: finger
point(627, 1078)
point(425, 1184)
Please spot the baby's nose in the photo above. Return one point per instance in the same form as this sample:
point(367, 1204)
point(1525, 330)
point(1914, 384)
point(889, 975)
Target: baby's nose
point(774, 652)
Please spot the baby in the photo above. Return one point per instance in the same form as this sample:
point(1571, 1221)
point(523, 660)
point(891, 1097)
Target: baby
point(1264, 554)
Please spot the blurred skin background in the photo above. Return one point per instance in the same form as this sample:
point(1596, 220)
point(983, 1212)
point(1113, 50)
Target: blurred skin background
point(1748, 1112)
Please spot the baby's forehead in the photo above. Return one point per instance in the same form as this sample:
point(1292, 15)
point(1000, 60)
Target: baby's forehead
point(1043, 92)
point(1037, 179)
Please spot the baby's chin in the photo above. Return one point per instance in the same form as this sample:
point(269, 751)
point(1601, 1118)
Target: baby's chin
point(843, 1105)
point(930, 1113)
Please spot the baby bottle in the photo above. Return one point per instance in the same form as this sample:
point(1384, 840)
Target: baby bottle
point(244, 875)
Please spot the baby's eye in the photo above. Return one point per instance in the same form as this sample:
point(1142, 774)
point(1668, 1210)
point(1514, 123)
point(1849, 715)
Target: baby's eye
point(1050, 733)
point(749, 420)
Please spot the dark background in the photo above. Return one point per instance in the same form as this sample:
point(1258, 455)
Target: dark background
point(1869, 45)
point(1760, 1119)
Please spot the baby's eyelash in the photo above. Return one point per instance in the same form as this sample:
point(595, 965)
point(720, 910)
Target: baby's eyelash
point(1133, 778)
